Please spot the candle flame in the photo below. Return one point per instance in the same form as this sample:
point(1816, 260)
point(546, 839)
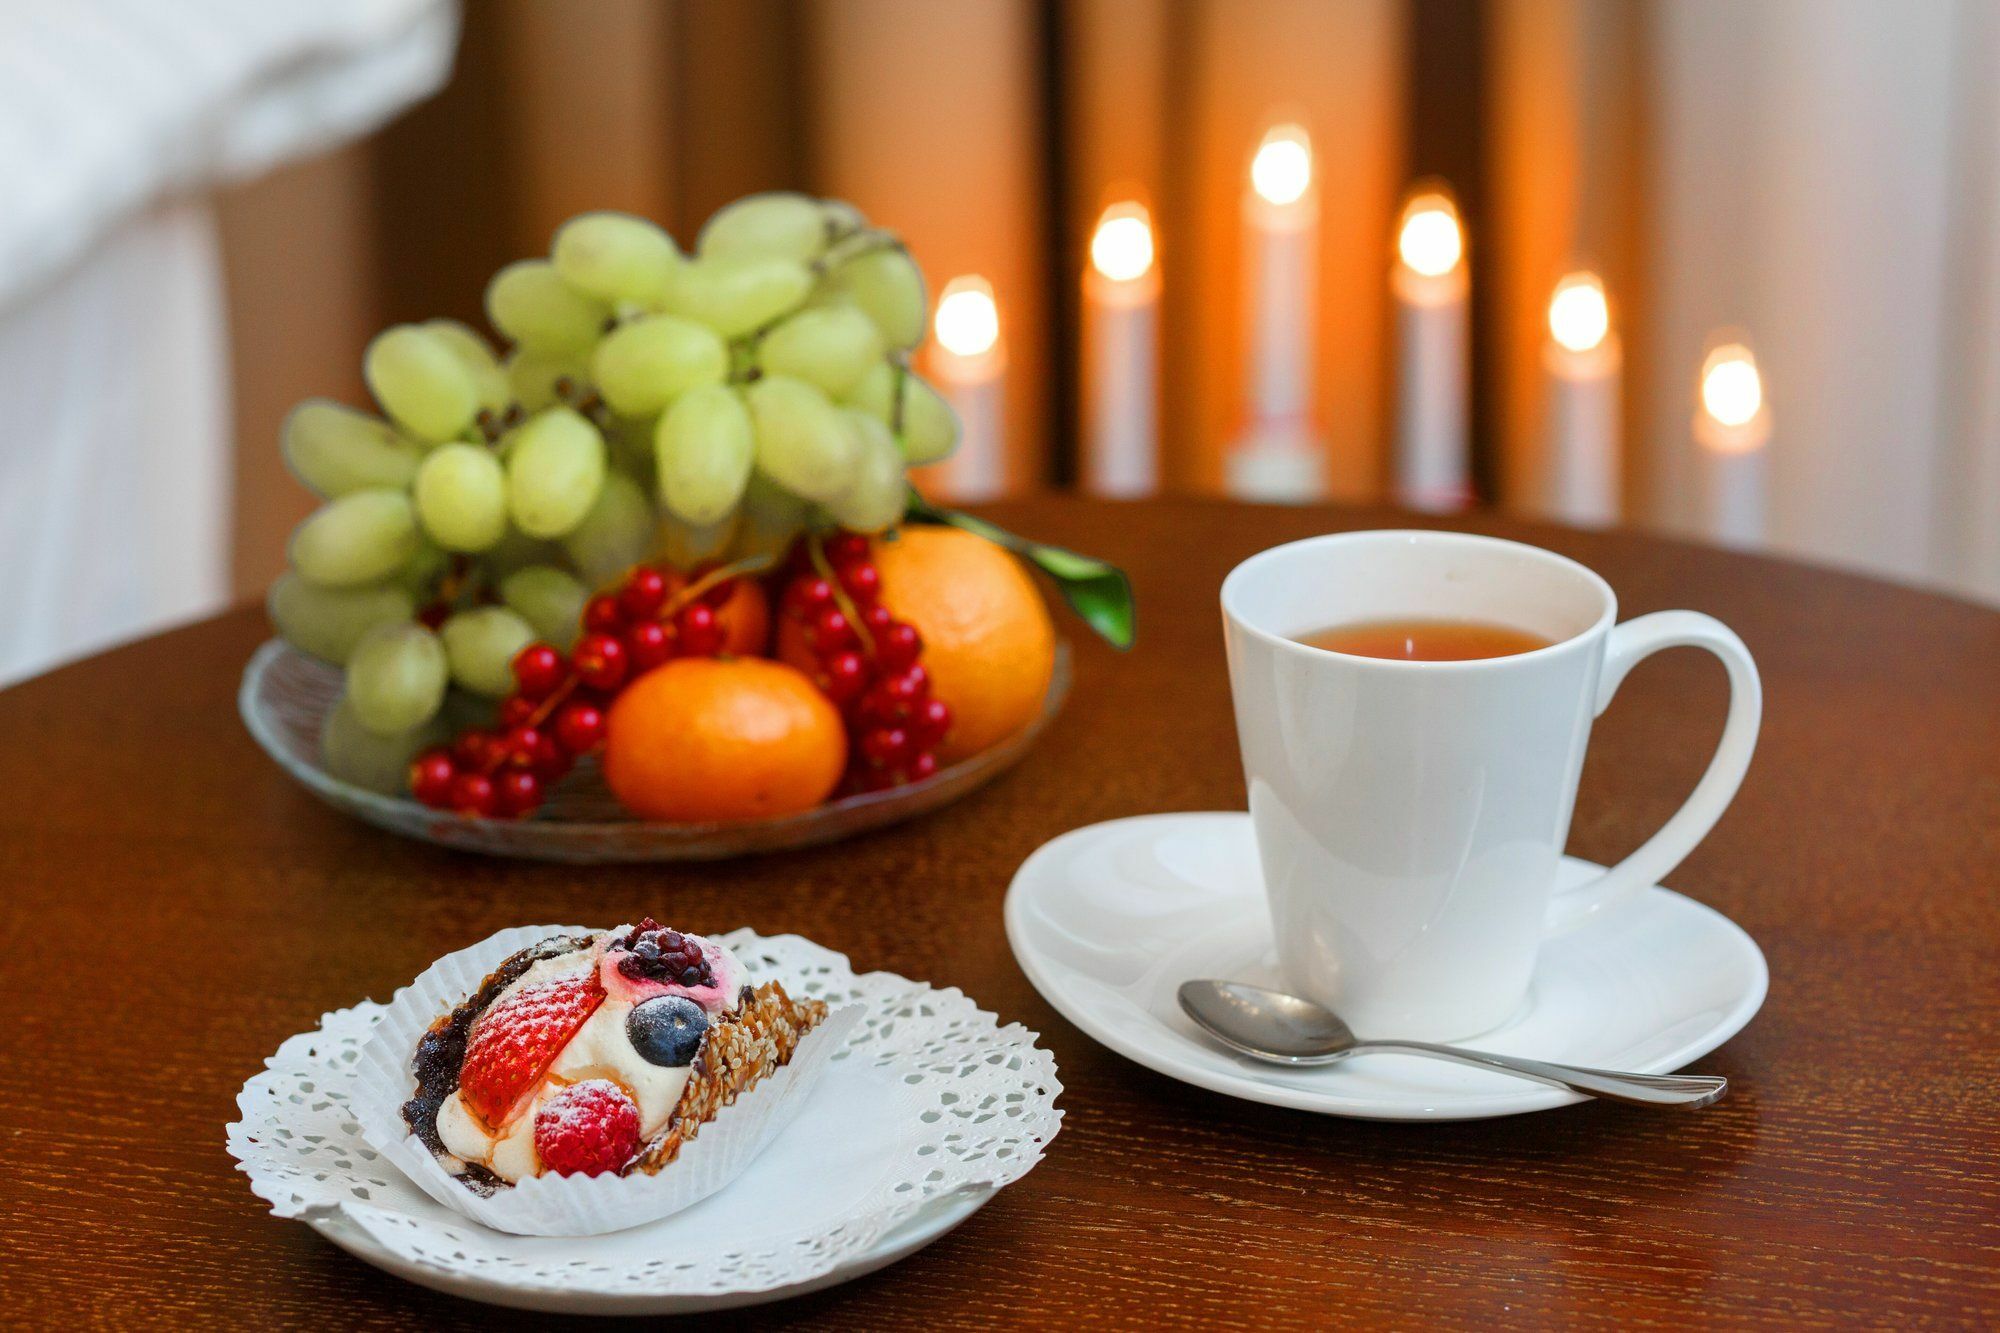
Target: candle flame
point(1579, 315)
point(1122, 246)
point(1732, 392)
point(1282, 171)
point(967, 322)
point(1430, 239)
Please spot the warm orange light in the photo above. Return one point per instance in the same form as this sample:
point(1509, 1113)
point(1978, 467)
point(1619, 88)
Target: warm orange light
point(1732, 392)
point(1579, 315)
point(1282, 171)
point(967, 322)
point(1122, 246)
point(1430, 239)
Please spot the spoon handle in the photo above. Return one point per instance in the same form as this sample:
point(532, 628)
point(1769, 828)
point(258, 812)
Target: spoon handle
point(1683, 1090)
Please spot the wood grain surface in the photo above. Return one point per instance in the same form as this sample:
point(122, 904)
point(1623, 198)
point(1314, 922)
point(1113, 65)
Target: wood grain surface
point(171, 908)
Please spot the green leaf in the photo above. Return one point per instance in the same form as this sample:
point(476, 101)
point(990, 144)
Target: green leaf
point(1097, 591)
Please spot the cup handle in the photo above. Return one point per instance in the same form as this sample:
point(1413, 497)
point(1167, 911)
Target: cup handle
point(1628, 644)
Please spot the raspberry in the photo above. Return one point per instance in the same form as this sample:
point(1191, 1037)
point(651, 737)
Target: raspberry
point(587, 1129)
point(514, 1043)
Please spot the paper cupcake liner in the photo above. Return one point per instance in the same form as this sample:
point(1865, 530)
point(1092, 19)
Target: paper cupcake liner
point(569, 1205)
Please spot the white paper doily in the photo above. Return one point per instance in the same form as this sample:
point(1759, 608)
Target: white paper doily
point(931, 1097)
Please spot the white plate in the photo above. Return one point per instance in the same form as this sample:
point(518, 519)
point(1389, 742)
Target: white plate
point(1108, 920)
point(935, 1219)
point(931, 1107)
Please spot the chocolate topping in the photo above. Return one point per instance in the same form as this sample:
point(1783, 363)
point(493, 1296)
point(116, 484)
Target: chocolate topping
point(441, 1050)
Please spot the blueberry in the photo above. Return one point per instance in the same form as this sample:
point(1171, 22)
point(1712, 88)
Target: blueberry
point(666, 1030)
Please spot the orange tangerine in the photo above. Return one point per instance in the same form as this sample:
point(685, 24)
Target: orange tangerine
point(989, 644)
point(700, 739)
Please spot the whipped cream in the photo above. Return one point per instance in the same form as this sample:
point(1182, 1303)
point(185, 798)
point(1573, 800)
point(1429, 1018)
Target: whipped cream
point(598, 1049)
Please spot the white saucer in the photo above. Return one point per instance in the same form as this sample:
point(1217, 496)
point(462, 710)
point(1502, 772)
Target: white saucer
point(1108, 920)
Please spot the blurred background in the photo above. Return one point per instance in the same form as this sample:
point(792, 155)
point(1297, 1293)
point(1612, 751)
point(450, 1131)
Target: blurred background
point(1332, 237)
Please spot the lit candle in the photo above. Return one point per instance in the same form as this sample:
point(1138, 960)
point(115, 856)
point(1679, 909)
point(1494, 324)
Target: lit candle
point(1732, 427)
point(968, 362)
point(1121, 314)
point(1582, 357)
point(1431, 286)
point(1280, 456)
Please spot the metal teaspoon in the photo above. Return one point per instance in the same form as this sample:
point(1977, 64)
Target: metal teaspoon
point(1284, 1029)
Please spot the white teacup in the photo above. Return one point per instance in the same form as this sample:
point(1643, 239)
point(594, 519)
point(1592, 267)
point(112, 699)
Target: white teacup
point(1410, 815)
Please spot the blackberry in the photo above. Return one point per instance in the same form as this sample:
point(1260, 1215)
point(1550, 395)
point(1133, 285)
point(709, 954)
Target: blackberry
point(654, 953)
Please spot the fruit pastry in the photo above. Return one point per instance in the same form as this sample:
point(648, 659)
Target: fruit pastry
point(587, 1054)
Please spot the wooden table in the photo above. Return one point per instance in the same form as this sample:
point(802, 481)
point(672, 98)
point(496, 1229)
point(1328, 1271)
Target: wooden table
point(172, 907)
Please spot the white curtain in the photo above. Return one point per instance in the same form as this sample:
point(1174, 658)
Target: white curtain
point(114, 468)
point(1825, 175)
point(115, 117)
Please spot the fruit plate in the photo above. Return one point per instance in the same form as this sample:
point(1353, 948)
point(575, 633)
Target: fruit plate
point(286, 695)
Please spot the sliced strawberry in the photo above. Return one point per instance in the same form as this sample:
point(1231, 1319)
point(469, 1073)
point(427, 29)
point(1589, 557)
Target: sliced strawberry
point(587, 1129)
point(514, 1043)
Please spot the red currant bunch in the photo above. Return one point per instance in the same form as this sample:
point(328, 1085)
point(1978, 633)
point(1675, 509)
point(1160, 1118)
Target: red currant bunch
point(556, 714)
point(867, 662)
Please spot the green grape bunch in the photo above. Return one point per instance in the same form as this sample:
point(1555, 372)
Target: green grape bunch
point(651, 406)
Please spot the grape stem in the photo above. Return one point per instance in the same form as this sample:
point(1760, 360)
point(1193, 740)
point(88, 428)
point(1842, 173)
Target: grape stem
point(585, 402)
point(854, 245)
point(743, 367)
point(458, 579)
point(824, 568)
point(487, 427)
point(745, 349)
point(556, 698)
point(749, 564)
